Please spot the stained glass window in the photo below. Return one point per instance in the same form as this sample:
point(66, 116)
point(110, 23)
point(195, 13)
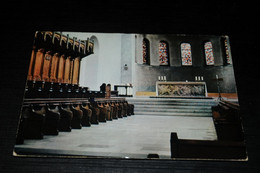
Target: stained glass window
point(228, 58)
point(163, 53)
point(186, 54)
point(146, 58)
point(209, 53)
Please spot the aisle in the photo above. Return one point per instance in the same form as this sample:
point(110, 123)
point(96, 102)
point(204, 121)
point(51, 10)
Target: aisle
point(131, 137)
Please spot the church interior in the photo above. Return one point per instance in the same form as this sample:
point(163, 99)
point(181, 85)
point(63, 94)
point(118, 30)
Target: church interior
point(122, 95)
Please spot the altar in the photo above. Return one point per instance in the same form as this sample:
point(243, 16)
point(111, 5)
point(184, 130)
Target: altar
point(181, 89)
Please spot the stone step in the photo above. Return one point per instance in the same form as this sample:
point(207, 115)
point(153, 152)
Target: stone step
point(174, 110)
point(173, 114)
point(173, 106)
point(172, 103)
point(148, 106)
point(170, 98)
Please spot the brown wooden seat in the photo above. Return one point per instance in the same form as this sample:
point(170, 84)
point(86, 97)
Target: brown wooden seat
point(77, 116)
point(114, 110)
point(87, 113)
point(66, 116)
point(34, 118)
point(119, 110)
point(95, 113)
point(52, 120)
point(109, 111)
point(227, 121)
point(103, 116)
point(205, 149)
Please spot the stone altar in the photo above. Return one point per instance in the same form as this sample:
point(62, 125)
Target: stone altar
point(180, 89)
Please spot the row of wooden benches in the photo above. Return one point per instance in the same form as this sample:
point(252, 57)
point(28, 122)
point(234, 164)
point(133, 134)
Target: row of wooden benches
point(41, 89)
point(41, 117)
point(230, 144)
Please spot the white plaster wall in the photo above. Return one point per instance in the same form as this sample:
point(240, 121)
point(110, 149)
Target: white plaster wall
point(104, 66)
point(109, 69)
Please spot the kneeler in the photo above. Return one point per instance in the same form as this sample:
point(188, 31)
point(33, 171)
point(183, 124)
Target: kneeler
point(65, 118)
point(87, 113)
point(103, 116)
point(52, 120)
point(77, 116)
point(34, 118)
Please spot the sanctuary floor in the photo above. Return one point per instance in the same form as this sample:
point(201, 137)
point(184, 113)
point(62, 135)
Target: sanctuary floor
point(132, 137)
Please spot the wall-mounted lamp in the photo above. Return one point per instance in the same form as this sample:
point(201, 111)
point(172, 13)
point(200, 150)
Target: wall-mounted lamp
point(125, 67)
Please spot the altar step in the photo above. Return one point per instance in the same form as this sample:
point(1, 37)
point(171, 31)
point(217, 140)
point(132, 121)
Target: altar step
point(173, 106)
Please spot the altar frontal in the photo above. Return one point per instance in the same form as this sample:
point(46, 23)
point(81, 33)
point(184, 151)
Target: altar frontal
point(181, 89)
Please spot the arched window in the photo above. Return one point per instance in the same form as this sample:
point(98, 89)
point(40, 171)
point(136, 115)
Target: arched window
point(163, 53)
point(227, 51)
point(186, 54)
point(209, 53)
point(146, 51)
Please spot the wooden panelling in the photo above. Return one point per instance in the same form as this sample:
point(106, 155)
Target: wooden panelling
point(46, 66)
point(145, 93)
point(75, 77)
point(71, 70)
point(30, 71)
point(225, 95)
point(54, 68)
point(38, 65)
point(61, 69)
point(67, 70)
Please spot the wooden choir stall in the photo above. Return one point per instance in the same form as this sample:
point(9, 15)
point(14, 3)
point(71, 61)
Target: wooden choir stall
point(53, 100)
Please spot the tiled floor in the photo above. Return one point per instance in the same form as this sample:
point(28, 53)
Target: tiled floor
point(134, 137)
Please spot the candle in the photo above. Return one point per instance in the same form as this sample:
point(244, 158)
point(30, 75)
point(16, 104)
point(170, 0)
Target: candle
point(196, 78)
point(159, 78)
point(199, 78)
point(165, 78)
point(202, 78)
point(216, 76)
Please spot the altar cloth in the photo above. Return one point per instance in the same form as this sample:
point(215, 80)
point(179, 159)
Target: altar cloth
point(180, 89)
